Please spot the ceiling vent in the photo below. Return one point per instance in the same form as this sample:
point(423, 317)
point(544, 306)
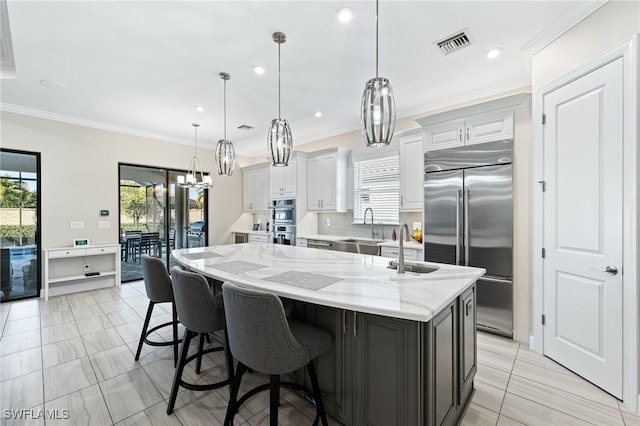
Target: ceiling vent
point(245, 127)
point(455, 42)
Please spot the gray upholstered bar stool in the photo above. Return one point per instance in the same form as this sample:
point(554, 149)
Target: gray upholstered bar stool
point(201, 313)
point(263, 339)
point(157, 282)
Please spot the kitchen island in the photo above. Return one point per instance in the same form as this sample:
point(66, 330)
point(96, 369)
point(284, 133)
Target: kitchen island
point(404, 348)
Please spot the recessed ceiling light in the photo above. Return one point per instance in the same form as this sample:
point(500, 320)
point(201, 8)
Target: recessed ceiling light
point(344, 14)
point(494, 53)
point(199, 108)
point(258, 69)
point(51, 84)
point(317, 114)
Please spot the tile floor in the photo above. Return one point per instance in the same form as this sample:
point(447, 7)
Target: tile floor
point(73, 357)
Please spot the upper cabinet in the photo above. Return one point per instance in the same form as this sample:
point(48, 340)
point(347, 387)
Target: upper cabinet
point(411, 170)
point(255, 188)
point(327, 180)
point(479, 128)
point(285, 181)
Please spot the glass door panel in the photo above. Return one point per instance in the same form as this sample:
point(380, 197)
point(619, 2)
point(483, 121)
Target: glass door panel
point(19, 231)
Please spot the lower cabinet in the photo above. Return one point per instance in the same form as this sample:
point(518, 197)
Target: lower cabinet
point(384, 371)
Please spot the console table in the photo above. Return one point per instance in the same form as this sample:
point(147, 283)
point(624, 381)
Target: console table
point(72, 269)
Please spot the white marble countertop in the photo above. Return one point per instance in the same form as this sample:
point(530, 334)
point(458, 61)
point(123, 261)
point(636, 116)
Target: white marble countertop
point(413, 244)
point(350, 281)
point(252, 232)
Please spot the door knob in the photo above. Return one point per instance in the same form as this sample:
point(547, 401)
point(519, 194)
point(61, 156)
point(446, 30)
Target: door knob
point(610, 269)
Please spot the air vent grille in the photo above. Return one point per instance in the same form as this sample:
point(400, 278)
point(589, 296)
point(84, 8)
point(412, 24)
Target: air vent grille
point(455, 42)
point(245, 127)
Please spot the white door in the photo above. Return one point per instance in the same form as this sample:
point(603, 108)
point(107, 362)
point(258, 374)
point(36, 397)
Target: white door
point(583, 226)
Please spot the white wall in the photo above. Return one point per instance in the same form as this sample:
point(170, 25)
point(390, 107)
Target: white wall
point(79, 176)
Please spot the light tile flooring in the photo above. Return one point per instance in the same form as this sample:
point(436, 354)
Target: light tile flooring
point(73, 357)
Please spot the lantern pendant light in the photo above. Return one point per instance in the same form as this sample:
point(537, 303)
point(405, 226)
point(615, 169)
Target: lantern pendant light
point(190, 180)
point(225, 155)
point(279, 141)
point(378, 109)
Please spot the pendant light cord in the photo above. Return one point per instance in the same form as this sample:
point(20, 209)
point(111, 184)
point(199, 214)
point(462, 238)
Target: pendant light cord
point(376, 38)
point(279, 115)
point(225, 110)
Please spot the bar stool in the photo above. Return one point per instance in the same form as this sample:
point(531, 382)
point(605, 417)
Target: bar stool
point(159, 290)
point(201, 313)
point(262, 339)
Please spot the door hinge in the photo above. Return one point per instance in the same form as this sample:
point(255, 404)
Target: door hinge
point(544, 118)
point(544, 253)
point(544, 319)
point(543, 184)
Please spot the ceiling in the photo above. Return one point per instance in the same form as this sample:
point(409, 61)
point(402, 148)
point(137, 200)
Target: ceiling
point(141, 67)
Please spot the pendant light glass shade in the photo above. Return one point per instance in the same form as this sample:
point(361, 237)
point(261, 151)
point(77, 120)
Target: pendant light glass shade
point(279, 140)
point(225, 154)
point(378, 109)
point(190, 180)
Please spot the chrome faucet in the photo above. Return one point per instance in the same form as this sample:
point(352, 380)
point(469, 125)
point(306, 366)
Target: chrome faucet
point(364, 221)
point(401, 244)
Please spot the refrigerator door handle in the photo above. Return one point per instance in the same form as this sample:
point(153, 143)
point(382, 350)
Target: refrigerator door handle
point(467, 227)
point(458, 196)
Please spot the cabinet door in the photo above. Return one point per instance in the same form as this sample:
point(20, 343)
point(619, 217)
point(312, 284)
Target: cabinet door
point(314, 183)
point(468, 343)
point(411, 172)
point(488, 127)
point(328, 183)
point(248, 189)
point(444, 135)
point(445, 366)
point(333, 367)
point(387, 374)
point(289, 180)
point(276, 179)
point(263, 200)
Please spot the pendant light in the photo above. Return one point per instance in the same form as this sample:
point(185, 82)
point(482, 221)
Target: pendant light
point(225, 154)
point(190, 180)
point(378, 109)
point(279, 139)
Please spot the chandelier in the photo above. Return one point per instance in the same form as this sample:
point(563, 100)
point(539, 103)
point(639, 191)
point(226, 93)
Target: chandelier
point(190, 180)
point(378, 109)
point(279, 140)
point(225, 155)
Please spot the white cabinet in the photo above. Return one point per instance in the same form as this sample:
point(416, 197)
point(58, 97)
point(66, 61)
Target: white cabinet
point(479, 128)
point(255, 188)
point(285, 181)
point(411, 170)
point(258, 238)
point(67, 270)
point(327, 180)
point(394, 252)
point(301, 242)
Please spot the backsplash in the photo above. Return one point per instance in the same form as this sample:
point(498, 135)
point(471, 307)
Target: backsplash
point(342, 224)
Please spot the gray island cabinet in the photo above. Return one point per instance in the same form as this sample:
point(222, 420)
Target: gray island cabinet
point(404, 349)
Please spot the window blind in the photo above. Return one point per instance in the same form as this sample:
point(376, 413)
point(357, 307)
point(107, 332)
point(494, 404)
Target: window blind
point(377, 185)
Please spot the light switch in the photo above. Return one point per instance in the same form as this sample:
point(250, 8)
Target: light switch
point(76, 225)
point(104, 224)
point(417, 225)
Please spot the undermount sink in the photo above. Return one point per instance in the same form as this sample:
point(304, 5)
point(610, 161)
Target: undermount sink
point(416, 268)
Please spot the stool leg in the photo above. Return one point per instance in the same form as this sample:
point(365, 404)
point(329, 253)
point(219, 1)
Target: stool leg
point(232, 407)
point(144, 329)
point(175, 333)
point(316, 393)
point(200, 349)
point(274, 399)
point(227, 352)
point(177, 377)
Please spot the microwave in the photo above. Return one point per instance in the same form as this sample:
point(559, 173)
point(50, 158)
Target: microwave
point(283, 211)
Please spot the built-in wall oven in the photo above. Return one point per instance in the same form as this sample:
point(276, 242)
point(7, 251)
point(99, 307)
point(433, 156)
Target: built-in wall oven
point(283, 218)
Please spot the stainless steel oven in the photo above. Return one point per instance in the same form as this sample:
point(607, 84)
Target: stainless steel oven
point(283, 218)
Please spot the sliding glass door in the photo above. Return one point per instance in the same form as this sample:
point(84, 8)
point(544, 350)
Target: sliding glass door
point(157, 216)
point(19, 224)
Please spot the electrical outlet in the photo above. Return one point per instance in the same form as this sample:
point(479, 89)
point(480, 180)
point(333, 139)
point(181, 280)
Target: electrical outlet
point(87, 266)
point(329, 222)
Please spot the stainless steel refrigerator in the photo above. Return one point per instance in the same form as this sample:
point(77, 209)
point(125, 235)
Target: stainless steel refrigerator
point(468, 219)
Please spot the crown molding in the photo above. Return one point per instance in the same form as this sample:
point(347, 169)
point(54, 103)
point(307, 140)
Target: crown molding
point(560, 26)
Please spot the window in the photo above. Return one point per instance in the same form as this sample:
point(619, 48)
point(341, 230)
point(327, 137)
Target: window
point(376, 184)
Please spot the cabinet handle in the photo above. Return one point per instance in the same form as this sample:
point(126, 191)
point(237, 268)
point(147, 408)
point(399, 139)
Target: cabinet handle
point(402, 200)
point(467, 133)
point(355, 325)
point(460, 134)
point(344, 321)
point(466, 308)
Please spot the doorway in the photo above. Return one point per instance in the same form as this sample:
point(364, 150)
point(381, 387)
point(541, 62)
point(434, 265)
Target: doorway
point(157, 216)
point(19, 224)
point(585, 295)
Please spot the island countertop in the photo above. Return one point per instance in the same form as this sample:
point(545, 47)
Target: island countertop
point(357, 282)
